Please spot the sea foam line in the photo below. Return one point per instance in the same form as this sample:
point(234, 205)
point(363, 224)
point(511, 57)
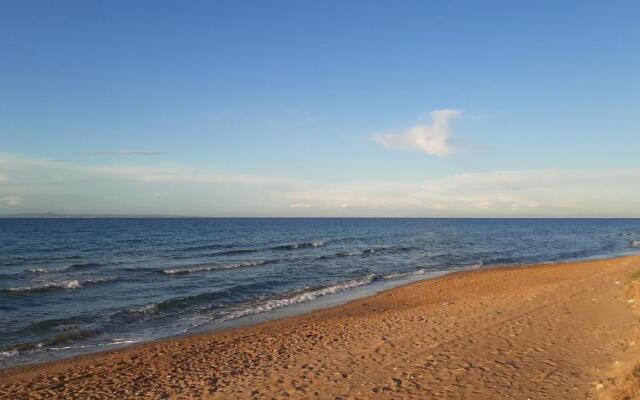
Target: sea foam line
point(214, 267)
point(302, 297)
point(42, 271)
point(67, 284)
point(301, 245)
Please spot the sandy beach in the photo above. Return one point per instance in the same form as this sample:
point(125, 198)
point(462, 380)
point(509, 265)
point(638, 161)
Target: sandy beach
point(553, 331)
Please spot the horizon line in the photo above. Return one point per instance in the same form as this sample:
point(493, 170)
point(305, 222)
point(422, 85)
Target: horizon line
point(49, 215)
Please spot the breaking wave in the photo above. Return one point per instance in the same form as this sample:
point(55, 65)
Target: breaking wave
point(63, 337)
point(302, 297)
point(292, 246)
point(135, 313)
point(215, 267)
point(353, 253)
point(404, 274)
point(370, 251)
point(59, 285)
point(232, 252)
point(207, 247)
point(42, 271)
point(83, 265)
point(635, 243)
point(303, 245)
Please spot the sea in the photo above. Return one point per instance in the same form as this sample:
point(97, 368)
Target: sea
point(76, 285)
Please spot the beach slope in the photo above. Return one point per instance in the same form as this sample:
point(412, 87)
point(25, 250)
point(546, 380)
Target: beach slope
point(554, 331)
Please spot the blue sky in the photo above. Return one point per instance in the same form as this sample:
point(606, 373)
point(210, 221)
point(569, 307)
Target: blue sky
point(288, 108)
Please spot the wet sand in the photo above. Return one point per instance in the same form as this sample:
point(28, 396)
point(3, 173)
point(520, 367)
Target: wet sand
point(554, 331)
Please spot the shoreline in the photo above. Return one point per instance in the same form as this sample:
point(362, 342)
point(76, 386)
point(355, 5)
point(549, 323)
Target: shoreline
point(336, 299)
point(396, 301)
point(306, 307)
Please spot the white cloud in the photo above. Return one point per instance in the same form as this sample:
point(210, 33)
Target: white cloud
point(65, 171)
point(37, 185)
point(11, 201)
point(122, 153)
point(483, 205)
point(299, 205)
point(500, 193)
point(433, 138)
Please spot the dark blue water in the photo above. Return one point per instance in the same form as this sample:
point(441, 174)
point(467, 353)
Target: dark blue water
point(76, 285)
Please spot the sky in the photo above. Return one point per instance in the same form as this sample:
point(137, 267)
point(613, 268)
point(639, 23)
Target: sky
point(321, 108)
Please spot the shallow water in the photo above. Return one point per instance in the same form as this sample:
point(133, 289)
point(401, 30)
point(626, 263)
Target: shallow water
point(69, 286)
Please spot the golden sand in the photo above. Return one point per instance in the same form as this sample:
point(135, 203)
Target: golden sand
point(561, 331)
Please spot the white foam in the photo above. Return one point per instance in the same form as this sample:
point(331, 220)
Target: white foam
point(294, 246)
point(41, 271)
point(215, 267)
point(67, 284)
point(72, 284)
point(352, 253)
point(10, 353)
point(122, 341)
point(302, 297)
point(147, 310)
point(403, 274)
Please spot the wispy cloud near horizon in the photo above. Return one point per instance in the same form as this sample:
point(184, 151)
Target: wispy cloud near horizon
point(433, 138)
point(122, 153)
point(299, 205)
point(37, 185)
point(11, 201)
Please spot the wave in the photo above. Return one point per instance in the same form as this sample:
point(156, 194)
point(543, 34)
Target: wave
point(302, 245)
point(69, 336)
point(232, 252)
point(201, 301)
point(136, 313)
point(206, 247)
point(9, 353)
point(209, 300)
point(146, 310)
point(54, 324)
point(285, 247)
point(370, 251)
point(353, 253)
point(635, 243)
point(83, 265)
point(314, 294)
point(9, 276)
point(59, 285)
point(71, 284)
point(63, 337)
point(111, 342)
point(404, 274)
point(302, 297)
point(400, 249)
point(42, 271)
point(215, 267)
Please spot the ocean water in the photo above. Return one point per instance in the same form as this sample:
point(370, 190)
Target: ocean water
point(69, 286)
